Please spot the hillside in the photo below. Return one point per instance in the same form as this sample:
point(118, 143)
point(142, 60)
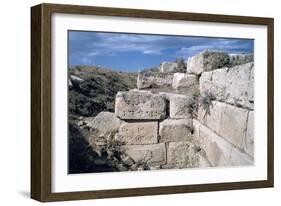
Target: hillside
point(93, 89)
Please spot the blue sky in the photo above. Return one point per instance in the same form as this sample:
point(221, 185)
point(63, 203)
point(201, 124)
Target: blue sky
point(134, 52)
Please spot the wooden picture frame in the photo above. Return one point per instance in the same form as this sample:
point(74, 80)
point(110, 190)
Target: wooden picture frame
point(41, 116)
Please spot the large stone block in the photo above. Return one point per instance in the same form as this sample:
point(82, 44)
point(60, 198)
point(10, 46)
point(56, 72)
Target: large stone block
point(180, 107)
point(219, 151)
point(168, 67)
point(182, 81)
point(207, 61)
point(238, 59)
point(138, 132)
point(103, 127)
point(232, 85)
point(248, 142)
point(212, 117)
point(226, 120)
point(233, 124)
point(154, 80)
point(175, 130)
point(154, 154)
point(140, 105)
point(182, 155)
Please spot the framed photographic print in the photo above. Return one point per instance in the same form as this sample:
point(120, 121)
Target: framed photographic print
point(130, 102)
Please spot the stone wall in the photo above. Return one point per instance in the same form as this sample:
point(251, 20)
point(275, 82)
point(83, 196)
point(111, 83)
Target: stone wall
point(161, 124)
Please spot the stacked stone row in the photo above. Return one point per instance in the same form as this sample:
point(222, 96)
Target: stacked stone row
point(227, 134)
point(156, 126)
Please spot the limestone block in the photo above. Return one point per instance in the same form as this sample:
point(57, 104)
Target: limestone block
point(180, 107)
point(103, 127)
point(232, 85)
point(138, 132)
point(174, 130)
point(182, 155)
point(168, 67)
point(238, 59)
point(226, 120)
point(248, 142)
point(213, 119)
point(196, 128)
point(183, 81)
point(150, 80)
point(140, 105)
point(203, 161)
point(207, 61)
point(240, 158)
point(154, 154)
point(218, 151)
point(233, 124)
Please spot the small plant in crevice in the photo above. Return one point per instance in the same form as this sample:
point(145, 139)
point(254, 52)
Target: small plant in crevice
point(203, 101)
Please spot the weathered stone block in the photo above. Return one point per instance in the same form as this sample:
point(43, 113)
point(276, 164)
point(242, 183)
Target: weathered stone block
point(238, 59)
point(154, 80)
point(103, 127)
point(168, 67)
point(182, 155)
point(226, 120)
point(140, 105)
point(217, 149)
point(207, 61)
point(220, 152)
point(138, 132)
point(212, 117)
point(180, 107)
point(175, 130)
point(248, 142)
point(233, 124)
point(185, 81)
point(232, 85)
point(154, 154)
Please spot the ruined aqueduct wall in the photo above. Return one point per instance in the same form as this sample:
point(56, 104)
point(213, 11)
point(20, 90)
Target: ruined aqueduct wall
point(157, 125)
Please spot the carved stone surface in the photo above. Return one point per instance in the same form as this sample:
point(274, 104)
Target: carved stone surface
point(140, 105)
point(180, 107)
point(154, 154)
point(175, 130)
point(207, 61)
point(138, 132)
point(150, 80)
point(232, 85)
